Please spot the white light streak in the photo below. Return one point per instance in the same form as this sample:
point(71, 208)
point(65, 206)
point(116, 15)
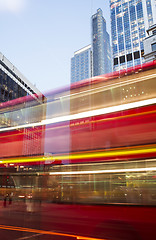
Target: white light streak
point(105, 171)
point(101, 111)
point(86, 114)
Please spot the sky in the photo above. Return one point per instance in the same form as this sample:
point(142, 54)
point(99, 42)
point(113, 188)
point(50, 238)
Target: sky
point(40, 37)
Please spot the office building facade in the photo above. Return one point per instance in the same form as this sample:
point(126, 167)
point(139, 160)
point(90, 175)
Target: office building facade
point(100, 45)
point(12, 83)
point(129, 21)
point(81, 64)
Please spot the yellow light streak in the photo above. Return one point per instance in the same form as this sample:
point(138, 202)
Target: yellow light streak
point(85, 155)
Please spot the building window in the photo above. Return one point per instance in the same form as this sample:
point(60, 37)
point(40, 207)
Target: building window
point(122, 59)
point(154, 46)
point(142, 53)
point(2, 91)
point(154, 32)
point(115, 61)
point(129, 57)
point(136, 55)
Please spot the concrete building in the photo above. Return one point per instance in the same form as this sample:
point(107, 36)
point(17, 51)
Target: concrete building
point(150, 44)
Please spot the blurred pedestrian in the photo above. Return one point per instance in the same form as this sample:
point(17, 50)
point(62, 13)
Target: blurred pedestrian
point(5, 200)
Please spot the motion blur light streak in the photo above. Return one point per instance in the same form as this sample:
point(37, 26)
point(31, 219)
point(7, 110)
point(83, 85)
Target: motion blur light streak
point(112, 85)
point(105, 171)
point(82, 123)
point(90, 155)
point(13, 228)
point(101, 111)
point(85, 114)
point(84, 161)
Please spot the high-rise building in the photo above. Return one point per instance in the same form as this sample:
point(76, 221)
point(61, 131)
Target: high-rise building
point(129, 21)
point(100, 45)
point(12, 83)
point(81, 64)
point(94, 59)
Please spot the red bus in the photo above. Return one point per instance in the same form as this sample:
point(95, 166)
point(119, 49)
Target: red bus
point(84, 160)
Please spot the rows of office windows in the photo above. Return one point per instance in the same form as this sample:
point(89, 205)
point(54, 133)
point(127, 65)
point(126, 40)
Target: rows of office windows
point(9, 89)
point(149, 12)
point(128, 57)
point(18, 78)
point(128, 30)
point(128, 64)
point(80, 66)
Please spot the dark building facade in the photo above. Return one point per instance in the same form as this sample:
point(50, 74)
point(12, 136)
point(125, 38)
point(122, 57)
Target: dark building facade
point(12, 83)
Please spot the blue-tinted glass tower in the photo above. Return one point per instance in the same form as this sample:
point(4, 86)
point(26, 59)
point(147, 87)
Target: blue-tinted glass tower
point(129, 21)
point(100, 45)
point(81, 64)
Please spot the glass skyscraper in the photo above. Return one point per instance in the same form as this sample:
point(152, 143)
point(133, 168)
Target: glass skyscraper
point(129, 21)
point(94, 59)
point(81, 64)
point(100, 45)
